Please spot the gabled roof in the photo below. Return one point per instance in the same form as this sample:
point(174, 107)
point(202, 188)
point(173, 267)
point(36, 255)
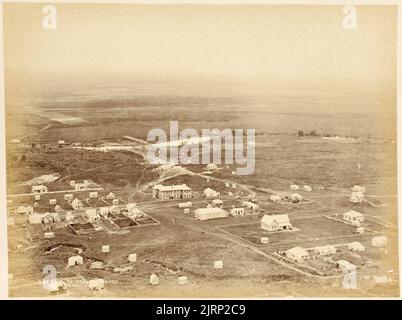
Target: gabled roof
point(352, 213)
point(161, 187)
point(209, 210)
point(297, 251)
point(278, 218)
point(76, 201)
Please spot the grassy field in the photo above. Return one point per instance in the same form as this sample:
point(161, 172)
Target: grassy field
point(180, 245)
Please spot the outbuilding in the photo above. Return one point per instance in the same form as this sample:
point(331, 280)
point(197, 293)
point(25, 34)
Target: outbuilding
point(182, 280)
point(93, 194)
point(357, 197)
point(92, 215)
point(345, 266)
point(275, 198)
point(356, 246)
point(185, 204)
point(132, 257)
point(75, 261)
point(154, 279)
point(49, 235)
point(217, 203)
point(68, 196)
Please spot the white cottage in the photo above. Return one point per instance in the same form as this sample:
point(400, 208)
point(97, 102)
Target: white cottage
point(75, 261)
point(210, 213)
point(353, 216)
point(39, 189)
point(237, 212)
point(356, 246)
point(217, 203)
point(276, 222)
point(77, 204)
point(92, 215)
point(297, 254)
point(211, 193)
point(357, 197)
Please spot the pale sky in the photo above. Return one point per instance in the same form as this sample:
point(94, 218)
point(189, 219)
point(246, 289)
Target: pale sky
point(305, 43)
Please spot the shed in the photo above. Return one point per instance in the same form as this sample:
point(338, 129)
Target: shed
point(97, 265)
point(264, 240)
point(275, 198)
point(218, 264)
point(154, 279)
point(294, 187)
point(68, 196)
point(49, 235)
point(106, 249)
point(359, 230)
point(132, 257)
point(185, 204)
point(217, 203)
point(92, 215)
point(345, 266)
point(52, 202)
point(75, 261)
point(182, 280)
point(110, 196)
point(356, 246)
point(93, 194)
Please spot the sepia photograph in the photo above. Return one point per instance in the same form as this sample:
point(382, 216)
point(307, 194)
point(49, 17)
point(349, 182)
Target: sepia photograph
point(189, 150)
